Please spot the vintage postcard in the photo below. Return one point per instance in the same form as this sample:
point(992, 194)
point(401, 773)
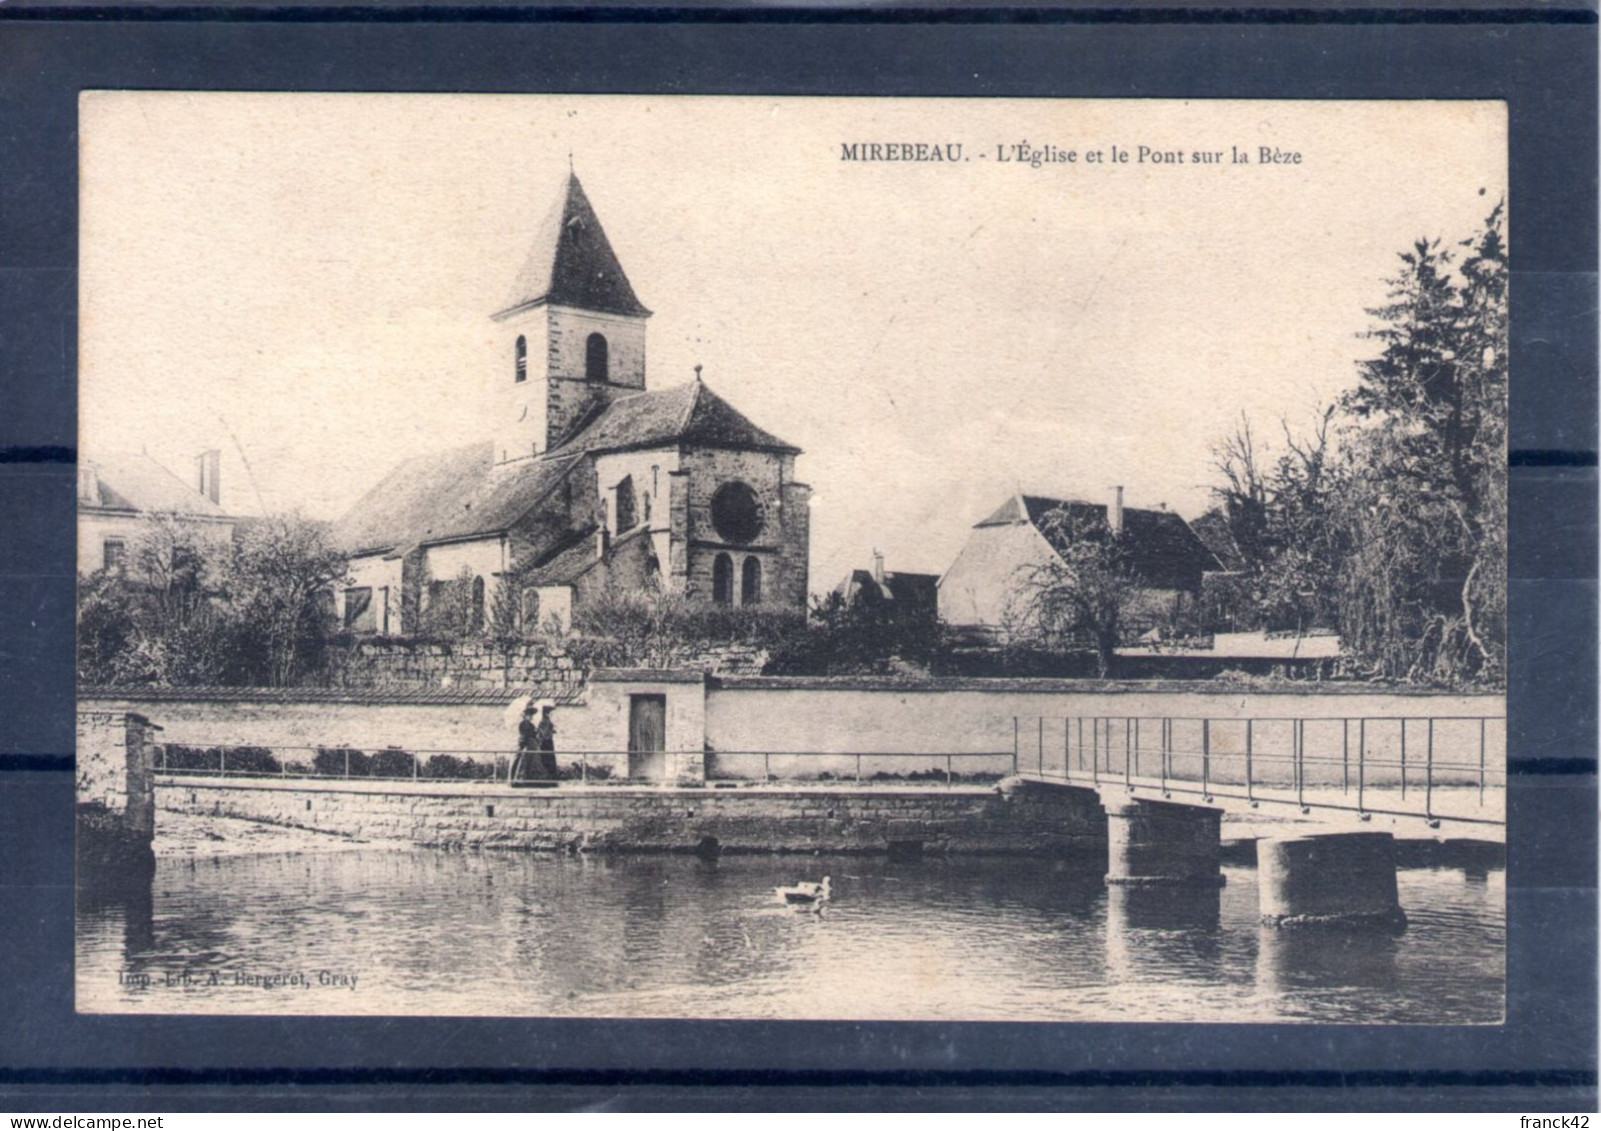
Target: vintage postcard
point(792, 558)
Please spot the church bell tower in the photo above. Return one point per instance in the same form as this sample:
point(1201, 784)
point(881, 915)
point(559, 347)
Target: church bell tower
point(570, 337)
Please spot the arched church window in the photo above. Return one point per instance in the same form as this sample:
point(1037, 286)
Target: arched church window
point(723, 580)
point(626, 508)
point(750, 582)
point(596, 360)
point(522, 359)
point(530, 610)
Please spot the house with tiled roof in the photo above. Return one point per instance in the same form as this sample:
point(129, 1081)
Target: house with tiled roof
point(589, 481)
point(892, 594)
point(121, 493)
point(986, 586)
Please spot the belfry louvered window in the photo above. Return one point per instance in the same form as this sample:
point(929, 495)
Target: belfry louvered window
point(596, 358)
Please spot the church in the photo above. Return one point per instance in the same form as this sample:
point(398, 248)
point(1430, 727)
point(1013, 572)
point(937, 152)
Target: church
point(589, 482)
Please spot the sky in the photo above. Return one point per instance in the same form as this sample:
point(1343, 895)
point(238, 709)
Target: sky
point(305, 281)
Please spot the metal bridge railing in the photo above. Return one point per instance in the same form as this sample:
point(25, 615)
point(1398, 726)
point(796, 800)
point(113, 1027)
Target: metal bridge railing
point(1437, 766)
point(947, 767)
point(469, 767)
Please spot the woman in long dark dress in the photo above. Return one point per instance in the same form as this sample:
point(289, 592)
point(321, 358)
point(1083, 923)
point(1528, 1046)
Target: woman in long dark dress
point(524, 768)
point(545, 746)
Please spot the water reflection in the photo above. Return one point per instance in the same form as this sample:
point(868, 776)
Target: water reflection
point(133, 905)
point(513, 934)
point(1293, 960)
point(1152, 931)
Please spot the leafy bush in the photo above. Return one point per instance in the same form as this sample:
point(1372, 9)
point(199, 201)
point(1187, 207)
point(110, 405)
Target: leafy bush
point(331, 762)
point(391, 762)
point(652, 629)
point(857, 639)
point(239, 759)
point(448, 766)
point(176, 756)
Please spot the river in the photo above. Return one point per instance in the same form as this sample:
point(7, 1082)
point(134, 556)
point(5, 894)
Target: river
point(414, 931)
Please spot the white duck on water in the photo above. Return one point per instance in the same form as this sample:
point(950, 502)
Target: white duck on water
point(805, 893)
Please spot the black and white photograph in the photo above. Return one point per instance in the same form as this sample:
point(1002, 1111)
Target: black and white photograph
point(792, 558)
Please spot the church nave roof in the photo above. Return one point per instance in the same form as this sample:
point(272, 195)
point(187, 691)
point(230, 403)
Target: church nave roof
point(687, 414)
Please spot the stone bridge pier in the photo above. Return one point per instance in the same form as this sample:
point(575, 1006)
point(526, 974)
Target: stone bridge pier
point(1159, 843)
point(1316, 879)
point(1329, 878)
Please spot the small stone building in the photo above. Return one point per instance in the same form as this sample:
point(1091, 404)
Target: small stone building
point(985, 586)
point(590, 481)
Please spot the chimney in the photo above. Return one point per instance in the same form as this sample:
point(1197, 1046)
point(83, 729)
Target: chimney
point(1114, 513)
point(207, 465)
point(878, 566)
point(88, 484)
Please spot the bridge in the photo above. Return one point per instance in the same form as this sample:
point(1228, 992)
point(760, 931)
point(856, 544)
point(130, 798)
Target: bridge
point(1167, 781)
point(1322, 797)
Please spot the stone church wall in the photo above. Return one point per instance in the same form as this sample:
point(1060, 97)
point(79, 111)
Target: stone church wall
point(781, 547)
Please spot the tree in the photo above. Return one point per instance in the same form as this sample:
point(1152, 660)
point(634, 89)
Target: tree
point(1390, 522)
point(1087, 588)
point(160, 620)
point(1277, 513)
point(860, 637)
point(1422, 590)
point(280, 584)
point(108, 627)
point(455, 608)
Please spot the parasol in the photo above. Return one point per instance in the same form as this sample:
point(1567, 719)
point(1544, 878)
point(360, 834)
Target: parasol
point(514, 709)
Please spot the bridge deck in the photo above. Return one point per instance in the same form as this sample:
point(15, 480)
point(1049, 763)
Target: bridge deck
point(1454, 811)
point(1418, 774)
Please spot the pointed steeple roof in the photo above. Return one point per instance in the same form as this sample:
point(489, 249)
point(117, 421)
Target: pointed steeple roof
point(572, 263)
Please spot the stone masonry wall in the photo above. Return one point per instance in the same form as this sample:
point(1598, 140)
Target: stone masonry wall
point(1040, 821)
point(462, 664)
point(115, 792)
point(483, 664)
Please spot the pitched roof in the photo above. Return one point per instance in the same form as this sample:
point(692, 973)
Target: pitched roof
point(138, 483)
point(462, 493)
point(572, 263)
point(567, 561)
point(910, 589)
point(685, 414)
point(457, 493)
point(1160, 545)
point(1212, 528)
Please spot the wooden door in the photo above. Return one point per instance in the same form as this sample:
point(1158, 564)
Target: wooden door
point(647, 737)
